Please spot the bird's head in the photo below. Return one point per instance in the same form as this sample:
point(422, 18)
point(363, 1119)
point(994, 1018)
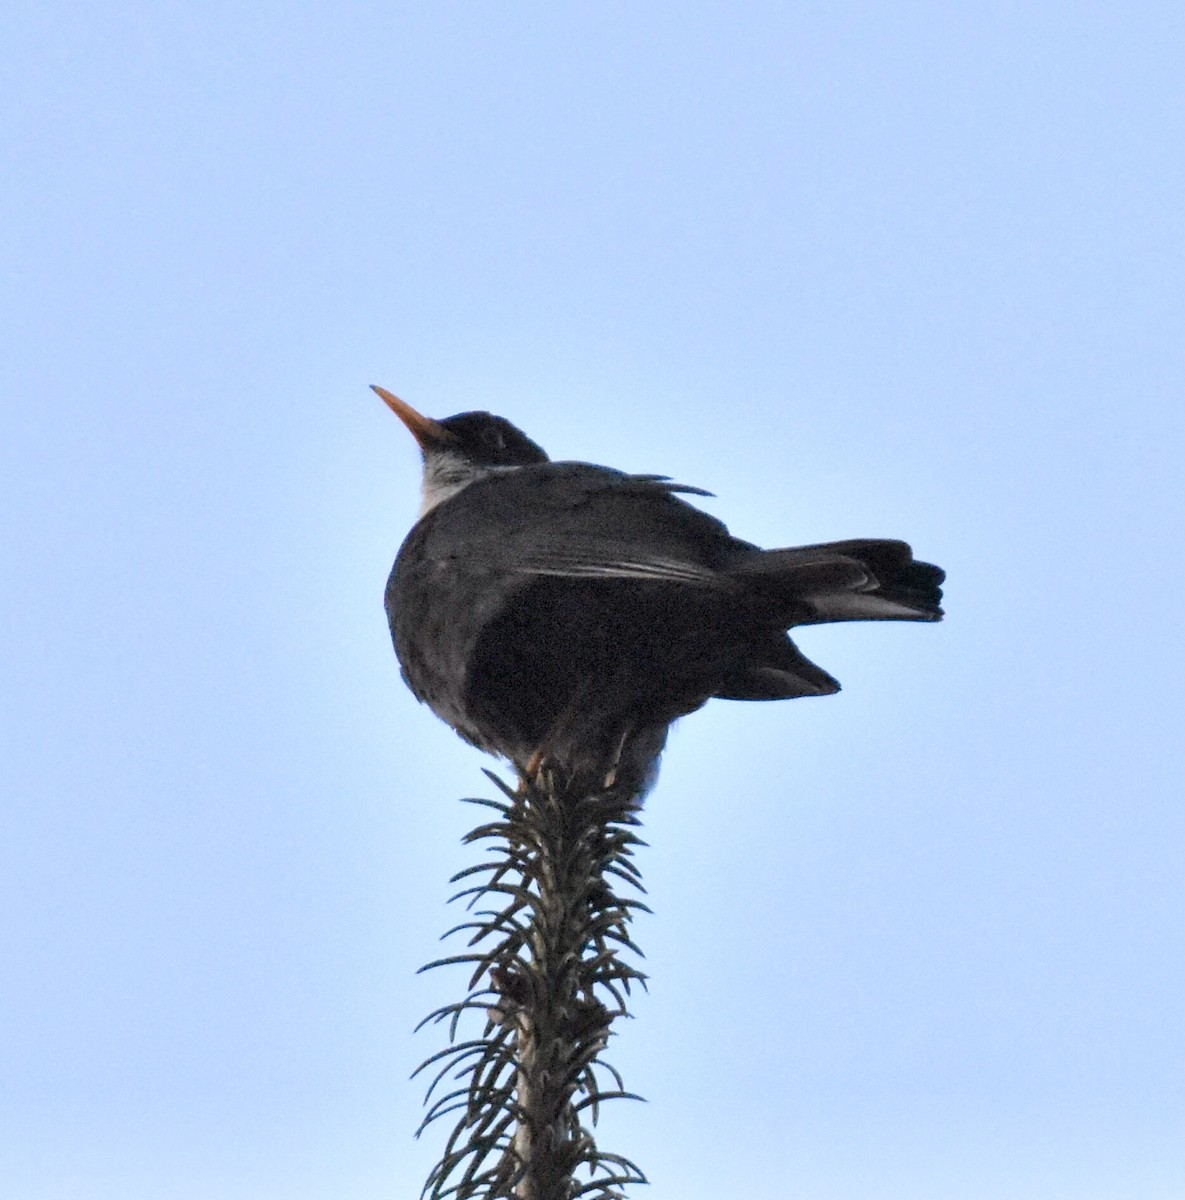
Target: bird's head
point(462, 449)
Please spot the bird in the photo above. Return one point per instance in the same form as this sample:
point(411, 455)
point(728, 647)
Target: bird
point(562, 615)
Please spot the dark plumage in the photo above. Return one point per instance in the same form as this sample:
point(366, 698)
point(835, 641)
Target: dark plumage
point(562, 615)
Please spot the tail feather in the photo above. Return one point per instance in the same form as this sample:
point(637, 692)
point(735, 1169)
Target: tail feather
point(864, 579)
point(777, 670)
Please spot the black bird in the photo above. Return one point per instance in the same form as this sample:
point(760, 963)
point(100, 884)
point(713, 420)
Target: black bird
point(562, 615)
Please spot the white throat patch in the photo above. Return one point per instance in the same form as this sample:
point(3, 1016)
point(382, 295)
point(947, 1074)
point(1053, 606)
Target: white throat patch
point(447, 474)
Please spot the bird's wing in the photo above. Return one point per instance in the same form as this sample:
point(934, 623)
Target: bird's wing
point(606, 525)
point(589, 562)
point(580, 521)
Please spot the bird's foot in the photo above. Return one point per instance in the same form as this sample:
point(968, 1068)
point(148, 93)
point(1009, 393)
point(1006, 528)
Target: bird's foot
point(532, 773)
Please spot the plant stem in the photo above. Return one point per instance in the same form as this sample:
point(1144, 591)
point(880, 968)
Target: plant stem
point(558, 981)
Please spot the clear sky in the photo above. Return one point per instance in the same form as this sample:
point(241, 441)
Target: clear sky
point(900, 269)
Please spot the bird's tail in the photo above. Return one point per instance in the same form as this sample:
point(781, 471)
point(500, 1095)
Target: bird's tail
point(865, 579)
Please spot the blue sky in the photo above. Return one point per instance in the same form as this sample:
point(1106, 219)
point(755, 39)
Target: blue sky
point(901, 269)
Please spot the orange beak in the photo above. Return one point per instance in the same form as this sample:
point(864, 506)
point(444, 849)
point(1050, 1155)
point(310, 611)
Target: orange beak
point(427, 432)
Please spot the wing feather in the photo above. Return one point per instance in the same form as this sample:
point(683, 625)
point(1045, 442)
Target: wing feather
point(585, 563)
